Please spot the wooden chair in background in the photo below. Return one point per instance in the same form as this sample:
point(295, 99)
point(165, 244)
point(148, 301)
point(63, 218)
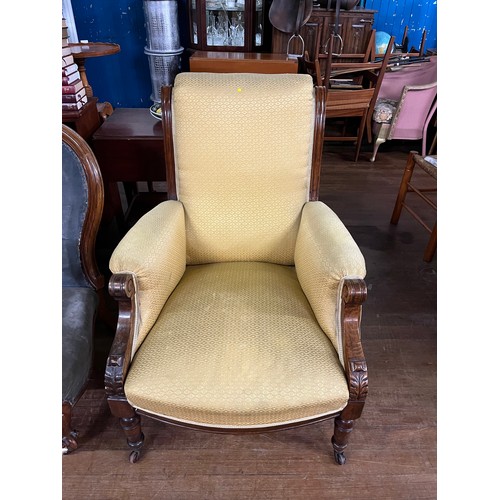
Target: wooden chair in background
point(315, 64)
point(402, 49)
point(352, 93)
point(429, 166)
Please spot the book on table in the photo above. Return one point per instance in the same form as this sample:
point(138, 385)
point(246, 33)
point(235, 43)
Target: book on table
point(77, 96)
point(66, 51)
point(74, 106)
point(68, 70)
point(73, 88)
point(72, 78)
point(68, 60)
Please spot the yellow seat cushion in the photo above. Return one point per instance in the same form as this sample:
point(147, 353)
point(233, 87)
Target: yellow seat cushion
point(237, 345)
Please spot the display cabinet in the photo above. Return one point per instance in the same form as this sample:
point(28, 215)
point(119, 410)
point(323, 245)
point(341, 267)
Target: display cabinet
point(229, 26)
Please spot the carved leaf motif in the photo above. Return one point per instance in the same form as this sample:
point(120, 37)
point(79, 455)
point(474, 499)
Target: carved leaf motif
point(358, 380)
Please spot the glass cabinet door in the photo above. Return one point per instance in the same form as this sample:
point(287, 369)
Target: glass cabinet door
point(259, 24)
point(225, 21)
point(227, 25)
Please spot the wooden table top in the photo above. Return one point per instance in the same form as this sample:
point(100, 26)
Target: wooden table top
point(93, 49)
point(130, 123)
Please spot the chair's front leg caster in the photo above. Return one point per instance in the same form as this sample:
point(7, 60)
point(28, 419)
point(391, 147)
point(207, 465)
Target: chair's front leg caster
point(69, 443)
point(339, 457)
point(134, 456)
point(343, 429)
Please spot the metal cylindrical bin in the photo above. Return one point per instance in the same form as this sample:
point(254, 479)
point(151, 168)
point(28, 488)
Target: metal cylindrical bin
point(163, 66)
point(163, 44)
point(161, 25)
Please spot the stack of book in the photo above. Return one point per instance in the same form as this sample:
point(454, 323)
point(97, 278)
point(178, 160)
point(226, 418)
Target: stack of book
point(74, 95)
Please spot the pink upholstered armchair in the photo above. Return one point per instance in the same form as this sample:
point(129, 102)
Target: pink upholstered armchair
point(407, 118)
point(406, 103)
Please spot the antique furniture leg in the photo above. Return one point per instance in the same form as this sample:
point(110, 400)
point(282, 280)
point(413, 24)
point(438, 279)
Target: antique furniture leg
point(430, 249)
point(353, 295)
point(130, 422)
point(343, 428)
point(69, 442)
point(380, 138)
point(403, 188)
point(121, 287)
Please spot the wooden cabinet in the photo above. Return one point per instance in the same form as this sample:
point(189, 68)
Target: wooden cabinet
point(354, 27)
point(229, 26)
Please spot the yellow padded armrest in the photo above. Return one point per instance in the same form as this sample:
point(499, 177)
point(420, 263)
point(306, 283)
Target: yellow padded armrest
point(326, 254)
point(154, 250)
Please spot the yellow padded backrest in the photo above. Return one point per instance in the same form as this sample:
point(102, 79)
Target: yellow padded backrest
point(243, 148)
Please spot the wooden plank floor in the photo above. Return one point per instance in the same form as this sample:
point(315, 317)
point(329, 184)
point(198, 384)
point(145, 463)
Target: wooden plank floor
point(392, 451)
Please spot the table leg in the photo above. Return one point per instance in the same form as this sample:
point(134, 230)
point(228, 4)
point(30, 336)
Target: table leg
point(83, 76)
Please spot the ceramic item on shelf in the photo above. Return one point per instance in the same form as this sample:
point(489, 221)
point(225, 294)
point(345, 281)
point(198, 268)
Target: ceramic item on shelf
point(155, 111)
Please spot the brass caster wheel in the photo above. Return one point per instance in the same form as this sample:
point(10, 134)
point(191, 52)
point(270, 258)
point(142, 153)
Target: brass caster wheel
point(134, 456)
point(339, 458)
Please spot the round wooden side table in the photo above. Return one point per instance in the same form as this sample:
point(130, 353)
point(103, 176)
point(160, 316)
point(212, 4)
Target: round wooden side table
point(82, 51)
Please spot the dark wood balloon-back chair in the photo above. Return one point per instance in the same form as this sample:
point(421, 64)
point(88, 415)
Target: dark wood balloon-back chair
point(240, 297)
point(82, 205)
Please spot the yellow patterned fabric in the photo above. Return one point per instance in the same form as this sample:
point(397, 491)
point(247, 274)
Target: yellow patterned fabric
point(237, 345)
point(154, 250)
point(243, 151)
point(325, 254)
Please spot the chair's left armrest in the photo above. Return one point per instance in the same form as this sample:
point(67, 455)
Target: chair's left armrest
point(154, 251)
point(326, 255)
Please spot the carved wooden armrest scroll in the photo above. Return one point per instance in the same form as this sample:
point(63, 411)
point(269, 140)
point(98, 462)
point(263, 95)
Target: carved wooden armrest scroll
point(122, 289)
point(353, 295)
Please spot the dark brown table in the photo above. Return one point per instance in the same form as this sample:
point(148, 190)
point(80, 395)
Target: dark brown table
point(129, 149)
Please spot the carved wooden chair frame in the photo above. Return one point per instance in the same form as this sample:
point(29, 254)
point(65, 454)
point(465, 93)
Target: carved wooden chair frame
point(121, 287)
point(90, 228)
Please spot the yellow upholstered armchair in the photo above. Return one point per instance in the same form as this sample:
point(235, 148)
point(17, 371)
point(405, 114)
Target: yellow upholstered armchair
point(240, 297)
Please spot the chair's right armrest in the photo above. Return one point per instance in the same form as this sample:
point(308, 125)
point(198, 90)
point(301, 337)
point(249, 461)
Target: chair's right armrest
point(153, 255)
point(326, 255)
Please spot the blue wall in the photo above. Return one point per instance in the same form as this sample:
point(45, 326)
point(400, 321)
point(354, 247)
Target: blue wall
point(393, 15)
point(123, 79)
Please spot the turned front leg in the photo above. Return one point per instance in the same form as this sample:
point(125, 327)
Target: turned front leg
point(340, 438)
point(130, 422)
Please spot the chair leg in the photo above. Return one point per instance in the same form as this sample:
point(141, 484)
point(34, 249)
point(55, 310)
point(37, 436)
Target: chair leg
point(130, 422)
point(69, 442)
point(361, 132)
point(369, 135)
point(403, 188)
point(343, 429)
point(378, 142)
point(430, 249)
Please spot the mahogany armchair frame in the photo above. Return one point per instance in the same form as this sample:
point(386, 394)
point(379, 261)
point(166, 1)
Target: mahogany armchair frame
point(121, 287)
point(88, 260)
